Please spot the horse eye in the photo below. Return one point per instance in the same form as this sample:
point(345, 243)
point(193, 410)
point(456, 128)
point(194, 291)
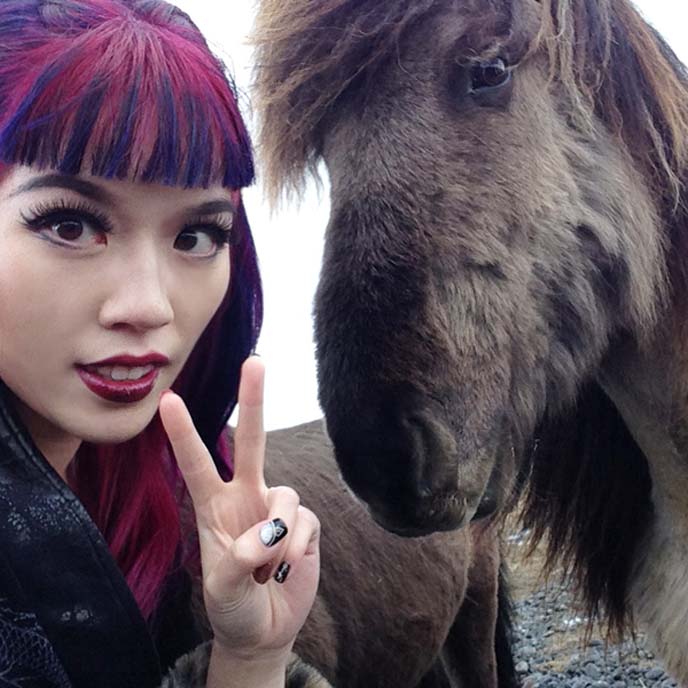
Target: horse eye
point(488, 75)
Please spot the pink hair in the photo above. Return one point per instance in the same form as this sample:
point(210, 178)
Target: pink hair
point(129, 89)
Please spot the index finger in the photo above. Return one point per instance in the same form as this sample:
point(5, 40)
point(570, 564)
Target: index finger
point(192, 456)
point(249, 437)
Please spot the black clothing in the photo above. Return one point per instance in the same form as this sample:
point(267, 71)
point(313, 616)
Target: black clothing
point(67, 616)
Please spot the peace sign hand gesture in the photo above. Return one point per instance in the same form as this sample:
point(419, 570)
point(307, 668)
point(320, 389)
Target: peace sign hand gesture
point(259, 547)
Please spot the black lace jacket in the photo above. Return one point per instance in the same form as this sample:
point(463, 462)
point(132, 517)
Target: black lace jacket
point(67, 616)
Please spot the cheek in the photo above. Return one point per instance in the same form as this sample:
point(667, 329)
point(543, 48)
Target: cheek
point(28, 305)
point(43, 300)
point(29, 330)
point(199, 302)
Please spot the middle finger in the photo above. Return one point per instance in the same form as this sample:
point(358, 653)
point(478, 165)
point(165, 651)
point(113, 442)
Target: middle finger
point(249, 437)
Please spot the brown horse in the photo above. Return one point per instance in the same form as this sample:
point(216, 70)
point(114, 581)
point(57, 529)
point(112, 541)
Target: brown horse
point(503, 291)
point(393, 612)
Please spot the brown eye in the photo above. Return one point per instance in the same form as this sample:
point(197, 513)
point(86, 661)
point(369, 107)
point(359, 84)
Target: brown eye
point(74, 227)
point(489, 75)
point(203, 241)
point(186, 241)
point(69, 230)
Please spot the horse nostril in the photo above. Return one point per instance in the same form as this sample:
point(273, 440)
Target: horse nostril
point(424, 489)
point(432, 449)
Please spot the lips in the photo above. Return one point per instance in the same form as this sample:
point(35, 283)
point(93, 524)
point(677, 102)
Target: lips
point(123, 379)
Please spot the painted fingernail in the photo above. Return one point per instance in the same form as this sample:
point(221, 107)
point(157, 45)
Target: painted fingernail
point(271, 533)
point(282, 572)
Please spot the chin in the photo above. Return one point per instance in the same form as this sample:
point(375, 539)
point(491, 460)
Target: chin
point(117, 425)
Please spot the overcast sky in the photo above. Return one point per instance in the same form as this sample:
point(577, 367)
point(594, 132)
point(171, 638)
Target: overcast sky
point(290, 242)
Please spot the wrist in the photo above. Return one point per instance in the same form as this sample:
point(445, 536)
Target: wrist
point(229, 668)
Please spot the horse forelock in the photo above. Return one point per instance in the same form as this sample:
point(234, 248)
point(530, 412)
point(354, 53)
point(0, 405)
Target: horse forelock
point(309, 52)
point(612, 63)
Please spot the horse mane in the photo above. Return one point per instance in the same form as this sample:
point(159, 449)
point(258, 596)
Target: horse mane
point(588, 497)
point(589, 493)
point(309, 52)
point(612, 63)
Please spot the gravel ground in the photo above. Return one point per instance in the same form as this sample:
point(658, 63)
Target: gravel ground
point(551, 650)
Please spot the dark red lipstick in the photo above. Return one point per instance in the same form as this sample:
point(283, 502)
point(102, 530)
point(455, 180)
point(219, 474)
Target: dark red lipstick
point(122, 391)
point(129, 360)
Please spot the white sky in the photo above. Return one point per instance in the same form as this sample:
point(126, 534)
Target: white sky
point(290, 242)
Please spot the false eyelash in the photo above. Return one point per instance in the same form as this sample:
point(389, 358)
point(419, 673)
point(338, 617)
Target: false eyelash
point(42, 214)
point(221, 229)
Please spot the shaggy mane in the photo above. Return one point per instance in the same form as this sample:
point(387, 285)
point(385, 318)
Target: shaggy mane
point(308, 54)
point(588, 497)
point(612, 63)
point(617, 67)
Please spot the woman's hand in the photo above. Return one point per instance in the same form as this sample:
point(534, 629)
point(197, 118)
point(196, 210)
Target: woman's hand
point(259, 547)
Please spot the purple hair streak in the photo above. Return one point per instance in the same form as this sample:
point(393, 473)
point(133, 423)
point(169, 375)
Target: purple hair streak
point(119, 90)
point(128, 89)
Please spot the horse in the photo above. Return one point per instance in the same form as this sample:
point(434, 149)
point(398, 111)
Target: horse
point(502, 302)
point(392, 612)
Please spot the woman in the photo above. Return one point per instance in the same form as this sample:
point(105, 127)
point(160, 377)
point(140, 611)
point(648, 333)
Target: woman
point(127, 268)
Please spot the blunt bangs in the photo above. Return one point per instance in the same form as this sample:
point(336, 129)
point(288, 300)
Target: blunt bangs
point(110, 89)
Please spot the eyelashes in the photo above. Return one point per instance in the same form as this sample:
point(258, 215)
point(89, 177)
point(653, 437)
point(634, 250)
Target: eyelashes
point(219, 229)
point(46, 214)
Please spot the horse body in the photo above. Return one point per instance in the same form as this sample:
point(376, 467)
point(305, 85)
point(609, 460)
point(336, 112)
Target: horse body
point(392, 612)
point(502, 296)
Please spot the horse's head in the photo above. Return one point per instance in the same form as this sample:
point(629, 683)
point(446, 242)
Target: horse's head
point(491, 228)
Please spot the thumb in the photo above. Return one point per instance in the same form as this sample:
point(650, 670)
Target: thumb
point(252, 550)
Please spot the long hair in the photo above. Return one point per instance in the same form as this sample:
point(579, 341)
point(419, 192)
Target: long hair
point(128, 89)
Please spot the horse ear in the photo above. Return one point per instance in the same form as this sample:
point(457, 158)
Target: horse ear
point(589, 498)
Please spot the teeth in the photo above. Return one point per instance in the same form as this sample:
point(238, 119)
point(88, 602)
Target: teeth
point(136, 373)
point(121, 373)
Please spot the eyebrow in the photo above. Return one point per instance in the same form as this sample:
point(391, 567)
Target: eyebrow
point(100, 195)
point(65, 181)
point(213, 208)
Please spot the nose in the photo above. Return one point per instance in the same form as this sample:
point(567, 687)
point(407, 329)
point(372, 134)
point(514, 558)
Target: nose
point(433, 452)
point(407, 457)
point(139, 297)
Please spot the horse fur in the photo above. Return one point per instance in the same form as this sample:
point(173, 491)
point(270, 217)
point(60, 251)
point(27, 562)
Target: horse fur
point(394, 612)
point(510, 267)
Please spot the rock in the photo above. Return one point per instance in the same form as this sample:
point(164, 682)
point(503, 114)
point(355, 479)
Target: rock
point(654, 674)
point(548, 630)
point(580, 683)
point(592, 671)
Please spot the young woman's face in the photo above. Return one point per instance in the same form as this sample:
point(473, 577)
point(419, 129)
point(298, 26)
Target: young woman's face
point(105, 287)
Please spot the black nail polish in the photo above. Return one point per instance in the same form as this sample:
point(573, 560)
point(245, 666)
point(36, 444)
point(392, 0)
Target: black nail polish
point(282, 572)
point(271, 533)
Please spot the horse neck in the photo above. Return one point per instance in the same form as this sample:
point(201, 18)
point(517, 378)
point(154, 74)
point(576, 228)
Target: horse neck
point(649, 386)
